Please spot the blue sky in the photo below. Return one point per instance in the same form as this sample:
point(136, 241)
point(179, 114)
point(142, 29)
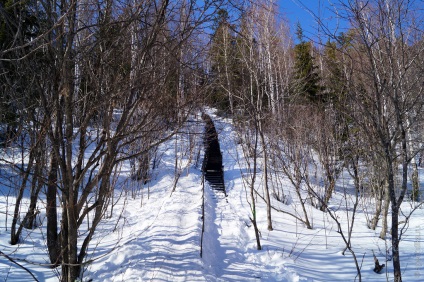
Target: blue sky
point(297, 11)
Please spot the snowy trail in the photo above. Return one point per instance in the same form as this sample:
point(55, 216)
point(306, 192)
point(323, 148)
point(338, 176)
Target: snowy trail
point(168, 248)
point(229, 250)
point(232, 246)
point(224, 243)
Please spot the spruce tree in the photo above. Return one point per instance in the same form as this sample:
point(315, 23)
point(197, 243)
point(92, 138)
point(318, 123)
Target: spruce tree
point(223, 63)
point(19, 24)
point(306, 75)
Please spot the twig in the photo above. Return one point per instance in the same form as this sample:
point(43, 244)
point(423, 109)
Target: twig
point(21, 266)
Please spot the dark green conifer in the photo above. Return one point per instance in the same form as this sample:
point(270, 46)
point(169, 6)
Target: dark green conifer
point(307, 80)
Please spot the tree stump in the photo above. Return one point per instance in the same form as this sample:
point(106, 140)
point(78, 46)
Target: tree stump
point(378, 267)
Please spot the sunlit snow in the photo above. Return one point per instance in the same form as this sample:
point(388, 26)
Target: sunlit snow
point(154, 234)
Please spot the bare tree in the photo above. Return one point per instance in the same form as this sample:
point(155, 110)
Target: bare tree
point(249, 144)
point(386, 92)
point(292, 157)
point(105, 87)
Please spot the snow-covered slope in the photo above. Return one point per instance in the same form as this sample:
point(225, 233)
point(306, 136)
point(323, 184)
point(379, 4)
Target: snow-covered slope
point(155, 234)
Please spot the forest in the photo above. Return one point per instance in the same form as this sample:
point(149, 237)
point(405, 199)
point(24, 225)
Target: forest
point(89, 88)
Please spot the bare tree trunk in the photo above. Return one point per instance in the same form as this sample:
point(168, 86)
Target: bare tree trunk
point(414, 175)
point(378, 192)
point(348, 242)
point(29, 220)
point(302, 202)
point(266, 175)
point(331, 183)
point(15, 234)
point(255, 226)
point(250, 153)
point(53, 244)
point(252, 194)
point(397, 272)
point(386, 206)
point(415, 181)
point(70, 267)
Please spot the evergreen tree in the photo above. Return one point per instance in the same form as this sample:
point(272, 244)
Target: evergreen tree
point(19, 24)
point(306, 76)
point(223, 63)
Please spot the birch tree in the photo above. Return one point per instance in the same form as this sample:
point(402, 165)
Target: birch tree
point(387, 93)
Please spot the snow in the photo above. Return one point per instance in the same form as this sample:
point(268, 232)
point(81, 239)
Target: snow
point(154, 234)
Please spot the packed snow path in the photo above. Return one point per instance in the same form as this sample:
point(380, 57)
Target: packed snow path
point(160, 240)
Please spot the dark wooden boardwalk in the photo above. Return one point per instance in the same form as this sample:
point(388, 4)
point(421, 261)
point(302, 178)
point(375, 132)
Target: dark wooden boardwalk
point(212, 163)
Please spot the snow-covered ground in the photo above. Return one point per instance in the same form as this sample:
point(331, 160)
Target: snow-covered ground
point(155, 234)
